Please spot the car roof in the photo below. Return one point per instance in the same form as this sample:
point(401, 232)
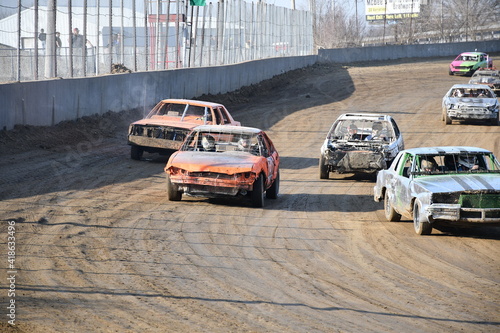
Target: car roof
point(472, 53)
point(446, 150)
point(190, 101)
point(360, 115)
point(227, 129)
point(470, 86)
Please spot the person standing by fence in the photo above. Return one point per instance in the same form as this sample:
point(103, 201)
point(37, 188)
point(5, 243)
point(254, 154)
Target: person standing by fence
point(78, 44)
point(42, 36)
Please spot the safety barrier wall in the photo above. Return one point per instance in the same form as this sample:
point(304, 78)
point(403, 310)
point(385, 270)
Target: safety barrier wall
point(44, 103)
point(405, 51)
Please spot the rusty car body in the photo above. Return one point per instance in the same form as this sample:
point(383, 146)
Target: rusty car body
point(441, 185)
point(219, 161)
point(360, 143)
point(470, 102)
point(167, 125)
point(487, 76)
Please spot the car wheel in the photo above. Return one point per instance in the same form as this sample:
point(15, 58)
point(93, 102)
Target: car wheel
point(257, 195)
point(450, 72)
point(390, 214)
point(136, 152)
point(447, 119)
point(421, 227)
point(323, 169)
point(272, 192)
point(173, 194)
point(495, 121)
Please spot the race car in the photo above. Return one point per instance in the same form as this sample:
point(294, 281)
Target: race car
point(468, 62)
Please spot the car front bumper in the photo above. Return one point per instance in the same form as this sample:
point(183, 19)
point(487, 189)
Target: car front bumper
point(355, 161)
point(457, 213)
point(472, 113)
point(214, 184)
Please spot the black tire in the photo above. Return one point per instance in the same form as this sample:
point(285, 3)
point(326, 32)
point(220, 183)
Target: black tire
point(447, 119)
point(257, 195)
point(272, 192)
point(450, 72)
point(421, 227)
point(495, 121)
point(390, 214)
point(323, 169)
point(136, 153)
point(173, 194)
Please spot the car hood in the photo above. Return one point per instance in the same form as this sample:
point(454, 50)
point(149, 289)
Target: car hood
point(463, 63)
point(460, 182)
point(473, 101)
point(169, 123)
point(226, 162)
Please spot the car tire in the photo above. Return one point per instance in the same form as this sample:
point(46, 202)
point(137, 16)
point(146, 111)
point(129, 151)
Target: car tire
point(257, 195)
point(136, 153)
point(421, 227)
point(390, 214)
point(272, 192)
point(323, 169)
point(450, 72)
point(495, 121)
point(173, 194)
point(447, 119)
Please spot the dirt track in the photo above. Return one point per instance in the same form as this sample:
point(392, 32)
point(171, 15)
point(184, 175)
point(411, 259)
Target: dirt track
point(100, 249)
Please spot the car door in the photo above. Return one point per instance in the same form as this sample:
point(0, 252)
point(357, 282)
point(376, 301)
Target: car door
point(401, 185)
point(271, 155)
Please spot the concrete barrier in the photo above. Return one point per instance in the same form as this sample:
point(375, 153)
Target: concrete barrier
point(389, 52)
point(48, 102)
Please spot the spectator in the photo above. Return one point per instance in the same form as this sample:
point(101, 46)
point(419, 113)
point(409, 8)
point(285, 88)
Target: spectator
point(42, 36)
point(58, 43)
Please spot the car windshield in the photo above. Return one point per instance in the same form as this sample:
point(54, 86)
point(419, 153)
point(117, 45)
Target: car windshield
point(180, 110)
point(438, 164)
point(220, 141)
point(362, 129)
point(471, 92)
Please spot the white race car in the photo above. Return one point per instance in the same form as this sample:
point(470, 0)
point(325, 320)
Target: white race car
point(441, 185)
point(470, 102)
point(360, 143)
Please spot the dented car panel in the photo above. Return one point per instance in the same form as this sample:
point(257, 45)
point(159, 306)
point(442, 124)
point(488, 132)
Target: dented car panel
point(470, 102)
point(487, 76)
point(441, 185)
point(360, 143)
point(224, 161)
point(167, 125)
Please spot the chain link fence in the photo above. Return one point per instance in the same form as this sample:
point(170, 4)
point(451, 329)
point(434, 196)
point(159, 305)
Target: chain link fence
point(144, 35)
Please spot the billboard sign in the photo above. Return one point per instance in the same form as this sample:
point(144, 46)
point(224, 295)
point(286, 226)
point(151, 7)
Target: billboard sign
point(391, 9)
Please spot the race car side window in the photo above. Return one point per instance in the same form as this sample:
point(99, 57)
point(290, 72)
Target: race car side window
point(407, 163)
point(225, 117)
point(396, 128)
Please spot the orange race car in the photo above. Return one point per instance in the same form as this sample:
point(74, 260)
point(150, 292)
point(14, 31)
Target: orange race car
point(170, 121)
point(224, 161)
